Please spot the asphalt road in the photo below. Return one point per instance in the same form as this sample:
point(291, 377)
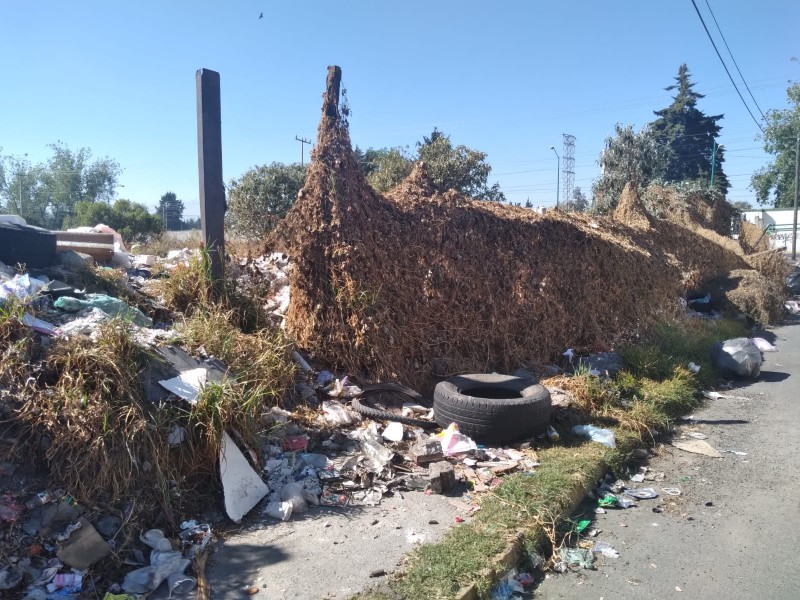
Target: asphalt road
point(328, 552)
point(732, 533)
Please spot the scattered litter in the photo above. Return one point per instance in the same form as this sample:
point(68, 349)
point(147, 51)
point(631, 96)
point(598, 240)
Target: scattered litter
point(739, 357)
point(552, 434)
point(393, 432)
point(642, 493)
point(414, 538)
point(582, 524)
point(605, 549)
point(113, 307)
point(242, 486)
point(148, 579)
point(736, 452)
point(508, 586)
point(337, 414)
point(792, 306)
point(697, 447)
point(9, 579)
point(623, 502)
point(671, 491)
point(455, 442)
point(580, 557)
point(295, 443)
point(177, 436)
point(83, 546)
point(696, 435)
point(596, 434)
point(38, 325)
point(713, 395)
point(764, 345)
point(156, 540)
point(188, 385)
point(638, 478)
point(10, 511)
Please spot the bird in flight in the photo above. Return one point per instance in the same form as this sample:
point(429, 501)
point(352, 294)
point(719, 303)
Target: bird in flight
point(261, 16)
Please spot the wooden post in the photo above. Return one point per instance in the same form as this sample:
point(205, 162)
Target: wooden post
point(209, 161)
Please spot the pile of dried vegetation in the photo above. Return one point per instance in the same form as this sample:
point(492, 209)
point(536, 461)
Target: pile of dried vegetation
point(396, 286)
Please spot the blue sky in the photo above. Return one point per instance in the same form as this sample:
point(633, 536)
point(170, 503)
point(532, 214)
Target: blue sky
point(507, 78)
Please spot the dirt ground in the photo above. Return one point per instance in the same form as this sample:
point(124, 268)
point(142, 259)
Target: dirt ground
point(729, 533)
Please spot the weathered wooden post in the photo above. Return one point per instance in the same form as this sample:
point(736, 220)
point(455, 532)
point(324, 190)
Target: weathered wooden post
point(209, 161)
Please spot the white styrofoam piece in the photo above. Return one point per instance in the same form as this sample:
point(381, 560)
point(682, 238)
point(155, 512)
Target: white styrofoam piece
point(242, 486)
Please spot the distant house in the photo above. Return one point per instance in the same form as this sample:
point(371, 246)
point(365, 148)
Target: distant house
point(779, 220)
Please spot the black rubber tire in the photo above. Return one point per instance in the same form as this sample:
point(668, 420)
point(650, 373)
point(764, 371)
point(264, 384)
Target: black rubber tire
point(384, 415)
point(523, 414)
point(32, 246)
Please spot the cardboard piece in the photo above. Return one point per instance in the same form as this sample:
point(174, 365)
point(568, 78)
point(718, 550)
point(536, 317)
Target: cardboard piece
point(84, 547)
point(697, 447)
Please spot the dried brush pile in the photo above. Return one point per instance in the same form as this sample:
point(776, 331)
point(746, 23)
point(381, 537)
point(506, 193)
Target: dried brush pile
point(390, 286)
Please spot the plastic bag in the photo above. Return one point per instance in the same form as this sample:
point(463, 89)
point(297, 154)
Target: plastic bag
point(738, 357)
point(293, 494)
point(111, 306)
point(596, 434)
point(455, 442)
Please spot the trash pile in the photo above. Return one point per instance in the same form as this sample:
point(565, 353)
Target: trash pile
point(60, 544)
point(471, 274)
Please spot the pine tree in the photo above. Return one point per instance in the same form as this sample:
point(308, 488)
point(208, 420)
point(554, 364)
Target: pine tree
point(690, 135)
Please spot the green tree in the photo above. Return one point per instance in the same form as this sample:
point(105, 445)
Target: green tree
point(386, 167)
point(742, 205)
point(627, 156)
point(450, 167)
point(578, 203)
point(261, 197)
point(690, 136)
point(775, 183)
point(45, 194)
point(131, 220)
point(170, 210)
point(457, 168)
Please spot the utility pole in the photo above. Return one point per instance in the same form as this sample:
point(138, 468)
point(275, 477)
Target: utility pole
point(558, 173)
point(796, 194)
point(302, 147)
point(713, 160)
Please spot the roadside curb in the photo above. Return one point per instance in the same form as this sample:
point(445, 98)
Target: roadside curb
point(511, 556)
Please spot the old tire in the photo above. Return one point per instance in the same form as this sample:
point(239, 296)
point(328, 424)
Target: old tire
point(493, 408)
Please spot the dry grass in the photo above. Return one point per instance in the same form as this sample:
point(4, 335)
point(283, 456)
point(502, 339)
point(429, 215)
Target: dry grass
point(88, 416)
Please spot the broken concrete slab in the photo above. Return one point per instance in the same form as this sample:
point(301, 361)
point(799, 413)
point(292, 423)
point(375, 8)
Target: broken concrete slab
point(84, 547)
point(442, 477)
point(242, 486)
point(75, 260)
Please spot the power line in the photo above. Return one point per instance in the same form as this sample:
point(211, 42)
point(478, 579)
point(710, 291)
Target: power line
point(744, 81)
point(708, 33)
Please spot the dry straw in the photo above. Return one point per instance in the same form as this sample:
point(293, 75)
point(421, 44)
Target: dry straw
point(386, 286)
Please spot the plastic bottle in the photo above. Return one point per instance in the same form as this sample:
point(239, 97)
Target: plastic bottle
point(39, 499)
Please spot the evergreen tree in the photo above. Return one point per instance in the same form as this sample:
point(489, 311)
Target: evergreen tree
point(690, 136)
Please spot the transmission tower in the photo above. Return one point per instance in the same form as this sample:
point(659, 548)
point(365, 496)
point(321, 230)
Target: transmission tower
point(568, 168)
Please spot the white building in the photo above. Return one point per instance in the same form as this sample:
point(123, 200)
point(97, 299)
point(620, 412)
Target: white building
point(780, 222)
